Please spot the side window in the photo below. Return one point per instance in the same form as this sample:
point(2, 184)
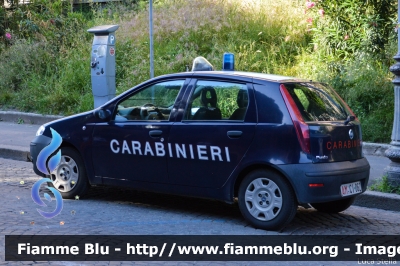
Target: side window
point(213, 100)
point(152, 103)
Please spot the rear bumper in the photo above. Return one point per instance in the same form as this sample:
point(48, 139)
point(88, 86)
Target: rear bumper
point(331, 175)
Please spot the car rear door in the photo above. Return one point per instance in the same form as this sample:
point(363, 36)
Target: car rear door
point(213, 133)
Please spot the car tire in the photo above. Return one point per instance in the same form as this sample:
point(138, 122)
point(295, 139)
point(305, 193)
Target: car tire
point(334, 206)
point(266, 200)
point(69, 177)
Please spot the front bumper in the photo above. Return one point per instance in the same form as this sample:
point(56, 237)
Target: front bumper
point(331, 175)
point(37, 144)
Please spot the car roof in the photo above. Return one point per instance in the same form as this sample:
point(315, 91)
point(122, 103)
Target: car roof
point(253, 75)
point(224, 74)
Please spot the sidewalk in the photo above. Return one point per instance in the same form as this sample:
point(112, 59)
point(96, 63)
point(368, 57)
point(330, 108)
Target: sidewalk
point(15, 140)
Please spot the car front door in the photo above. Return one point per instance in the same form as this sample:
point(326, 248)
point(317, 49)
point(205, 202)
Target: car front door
point(132, 145)
point(213, 134)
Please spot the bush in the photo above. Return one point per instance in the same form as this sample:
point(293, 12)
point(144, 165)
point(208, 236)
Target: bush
point(20, 61)
point(365, 84)
point(351, 49)
point(348, 27)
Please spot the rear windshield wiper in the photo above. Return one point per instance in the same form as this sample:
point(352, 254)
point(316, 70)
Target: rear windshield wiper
point(349, 118)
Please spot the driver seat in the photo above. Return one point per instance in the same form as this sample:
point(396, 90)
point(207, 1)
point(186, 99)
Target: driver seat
point(209, 110)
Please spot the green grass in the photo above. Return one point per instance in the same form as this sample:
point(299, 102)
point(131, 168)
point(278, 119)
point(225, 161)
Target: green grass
point(47, 71)
point(383, 185)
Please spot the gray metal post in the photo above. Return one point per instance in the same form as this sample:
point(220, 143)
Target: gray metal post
point(393, 153)
point(151, 39)
point(103, 63)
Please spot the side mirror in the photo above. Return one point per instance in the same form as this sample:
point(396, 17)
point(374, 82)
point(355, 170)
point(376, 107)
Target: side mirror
point(103, 114)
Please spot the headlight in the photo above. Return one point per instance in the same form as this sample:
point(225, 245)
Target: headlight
point(40, 131)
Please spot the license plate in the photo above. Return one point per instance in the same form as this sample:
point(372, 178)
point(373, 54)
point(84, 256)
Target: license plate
point(350, 189)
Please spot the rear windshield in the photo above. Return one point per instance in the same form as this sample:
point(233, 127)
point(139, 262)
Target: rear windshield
point(317, 102)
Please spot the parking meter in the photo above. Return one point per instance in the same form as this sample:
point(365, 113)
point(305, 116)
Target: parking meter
point(103, 63)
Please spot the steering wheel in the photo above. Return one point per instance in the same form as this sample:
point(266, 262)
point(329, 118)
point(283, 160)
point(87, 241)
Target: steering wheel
point(144, 112)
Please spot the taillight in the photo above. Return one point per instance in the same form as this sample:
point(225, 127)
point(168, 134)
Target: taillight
point(302, 130)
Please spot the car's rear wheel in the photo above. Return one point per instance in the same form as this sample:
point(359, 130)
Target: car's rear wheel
point(334, 206)
point(266, 200)
point(69, 178)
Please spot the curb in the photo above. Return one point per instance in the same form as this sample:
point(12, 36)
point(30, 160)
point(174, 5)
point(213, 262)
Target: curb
point(376, 149)
point(378, 200)
point(27, 118)
point(12, 154)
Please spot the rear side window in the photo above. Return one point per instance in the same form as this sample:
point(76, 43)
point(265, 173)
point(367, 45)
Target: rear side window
point(317, 102)
point(215, 100)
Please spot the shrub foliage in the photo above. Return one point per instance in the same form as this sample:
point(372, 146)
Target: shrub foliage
point(349, 27)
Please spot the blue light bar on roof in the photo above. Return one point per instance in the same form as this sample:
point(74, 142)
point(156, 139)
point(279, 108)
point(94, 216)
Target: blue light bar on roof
point(228, 62)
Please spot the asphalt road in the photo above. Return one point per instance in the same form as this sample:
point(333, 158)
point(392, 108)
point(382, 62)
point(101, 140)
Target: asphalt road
point(115, 211)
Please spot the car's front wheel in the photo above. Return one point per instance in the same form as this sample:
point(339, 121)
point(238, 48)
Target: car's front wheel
point(334, 206)
point(70, 178)
point(266, 200)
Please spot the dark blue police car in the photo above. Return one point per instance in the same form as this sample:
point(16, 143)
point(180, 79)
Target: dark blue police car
point(271, 142)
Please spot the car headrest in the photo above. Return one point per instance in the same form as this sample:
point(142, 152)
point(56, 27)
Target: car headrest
point(242, 99)
point(208, 96)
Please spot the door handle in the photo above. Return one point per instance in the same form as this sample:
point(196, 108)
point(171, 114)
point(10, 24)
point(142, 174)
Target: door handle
point(234, 133)
point(155, 133)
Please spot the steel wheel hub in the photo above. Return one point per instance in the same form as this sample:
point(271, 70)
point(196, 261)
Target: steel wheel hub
point(66, 175)
point(263, 199)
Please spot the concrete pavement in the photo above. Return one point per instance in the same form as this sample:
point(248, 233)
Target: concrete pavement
point(18, 129)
